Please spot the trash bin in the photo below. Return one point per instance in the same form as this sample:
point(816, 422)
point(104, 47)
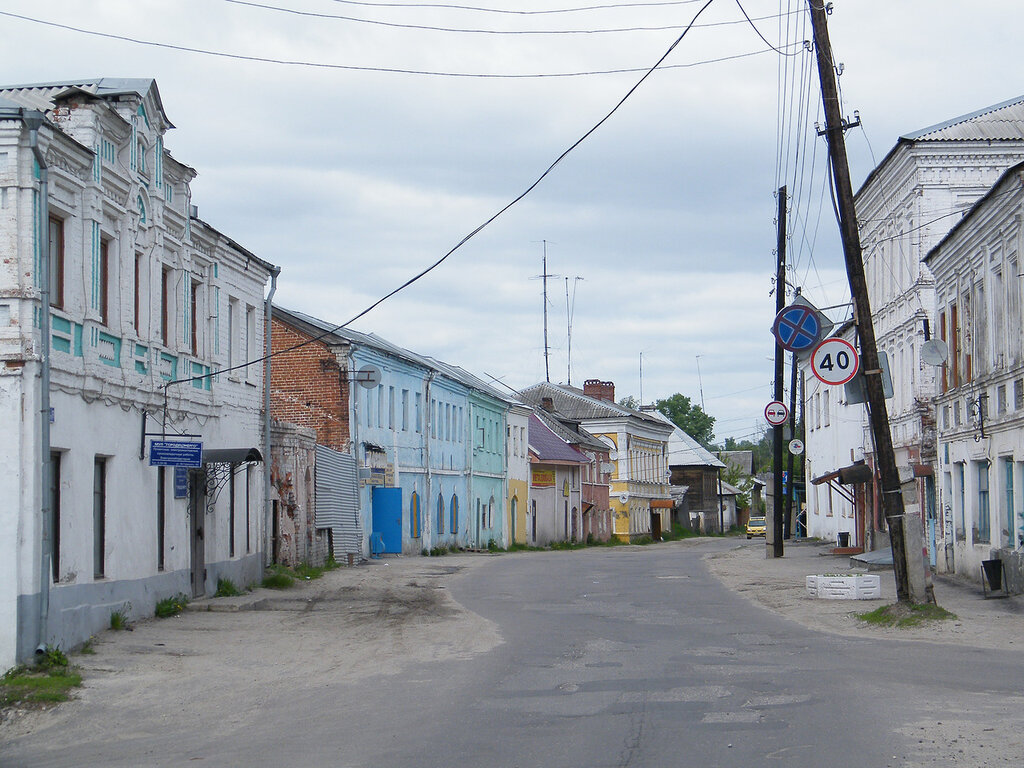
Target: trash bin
point(992, 574)
point(844, 539)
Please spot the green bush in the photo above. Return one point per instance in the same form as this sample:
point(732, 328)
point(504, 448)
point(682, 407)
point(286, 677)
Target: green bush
point(171, 606)
point(119, 620)
point(52, 657)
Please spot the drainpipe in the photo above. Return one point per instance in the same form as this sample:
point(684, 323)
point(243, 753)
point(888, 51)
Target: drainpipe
point(267, 507)
point(33, 120)
point(428, 489)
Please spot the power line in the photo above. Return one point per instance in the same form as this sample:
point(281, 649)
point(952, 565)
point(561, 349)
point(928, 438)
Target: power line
point(417, 6)
point(477, 31)
point(360, 68)
point(479, 228)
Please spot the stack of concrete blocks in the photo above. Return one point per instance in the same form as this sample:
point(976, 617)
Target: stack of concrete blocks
point(861, 587)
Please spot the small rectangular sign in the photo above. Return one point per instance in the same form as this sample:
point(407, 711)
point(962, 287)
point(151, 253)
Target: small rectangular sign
point(181, 482)
point(171, 453)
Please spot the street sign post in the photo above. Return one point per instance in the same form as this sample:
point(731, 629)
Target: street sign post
point(835, 361)
point(797, 327)
point(776, 413)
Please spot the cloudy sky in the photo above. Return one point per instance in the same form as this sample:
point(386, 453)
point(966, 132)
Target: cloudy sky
point(419, 122)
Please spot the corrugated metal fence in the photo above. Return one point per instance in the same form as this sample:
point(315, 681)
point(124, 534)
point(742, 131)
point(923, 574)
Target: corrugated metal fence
point(337, 500)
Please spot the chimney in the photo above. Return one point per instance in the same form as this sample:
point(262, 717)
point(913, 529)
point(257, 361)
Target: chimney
point(547, 404)
point(602, 390)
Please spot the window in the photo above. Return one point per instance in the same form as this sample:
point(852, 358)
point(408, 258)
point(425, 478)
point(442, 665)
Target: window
point(1001, 399)
point(166, 303)
point(1010, 513)
point(962, 498)
point(233, 335)
point(231, 510)
point(99, 517)
point(414, 515)
point(1018, 394)
point(419, 412)
point(137, 316)
point(440, 513)
point(56, 245)
point(455, 514)
point(380, 405)
point(405, 410)
point(55, 515)
point(391, 408)
point(954, 347)
point(103, 280)
point(248, 505)
point(250, 341)
point(983, 502)
point(161, 515)
point(193, 316)
point(826, 418)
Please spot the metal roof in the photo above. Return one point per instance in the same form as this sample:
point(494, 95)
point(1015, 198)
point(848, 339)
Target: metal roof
point(550, 447)
point(42, 95)
point(574, 404)
point(570, 432)
point(345, 335)
point(684, 451)
point(999, 122)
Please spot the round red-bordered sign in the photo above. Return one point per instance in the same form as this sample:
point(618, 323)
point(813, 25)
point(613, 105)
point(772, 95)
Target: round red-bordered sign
point(835, 361)
point(776, 413)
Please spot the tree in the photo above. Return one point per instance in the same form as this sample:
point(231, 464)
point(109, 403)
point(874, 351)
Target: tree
point(630, 402)
point(688, 417)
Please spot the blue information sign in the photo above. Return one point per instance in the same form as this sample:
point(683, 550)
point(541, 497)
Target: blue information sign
point(797, 327)
point(172, 453)
point(181, 482)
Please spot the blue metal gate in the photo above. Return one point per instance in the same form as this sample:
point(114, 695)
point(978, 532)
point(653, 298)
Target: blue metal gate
point(387, 518)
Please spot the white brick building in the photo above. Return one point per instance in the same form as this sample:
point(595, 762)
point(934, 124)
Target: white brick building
point(142, 294)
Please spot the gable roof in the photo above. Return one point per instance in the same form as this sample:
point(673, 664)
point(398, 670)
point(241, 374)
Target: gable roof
point(574, 404)
point(683, 450)
point(331, 333)
point(570, 432)
point(550, 447)
point(999, 122)
point(43, 96)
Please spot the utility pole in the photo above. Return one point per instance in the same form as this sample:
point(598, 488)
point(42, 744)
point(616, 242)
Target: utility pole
point(780, 304)
point(885, 456)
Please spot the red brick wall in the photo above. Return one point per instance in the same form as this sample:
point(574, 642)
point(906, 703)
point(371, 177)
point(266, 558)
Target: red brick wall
point(307, 387)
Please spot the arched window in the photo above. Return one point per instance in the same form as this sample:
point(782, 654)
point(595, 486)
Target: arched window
point(455, 514)
point(440, 513)
point(490, 513)
point(514, 508)
point(414, 515)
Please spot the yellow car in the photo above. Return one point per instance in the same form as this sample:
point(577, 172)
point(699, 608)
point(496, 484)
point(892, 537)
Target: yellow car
point(756, 527)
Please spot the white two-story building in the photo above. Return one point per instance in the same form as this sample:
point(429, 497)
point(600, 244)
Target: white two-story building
point(146, 303)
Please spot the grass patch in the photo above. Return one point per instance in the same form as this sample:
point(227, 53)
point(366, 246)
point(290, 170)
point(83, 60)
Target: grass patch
point(279, 577)
point(26, 685)
point(226, 588)
point(905, 616)
point(308, 572)
point(171, 606)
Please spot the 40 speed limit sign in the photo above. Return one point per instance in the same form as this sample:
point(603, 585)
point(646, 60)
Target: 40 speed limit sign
point(835, 361)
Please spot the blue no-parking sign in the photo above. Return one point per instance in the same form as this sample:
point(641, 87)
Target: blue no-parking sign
point(797, 327)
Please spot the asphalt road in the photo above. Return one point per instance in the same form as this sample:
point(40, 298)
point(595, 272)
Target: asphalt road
point(605, 658)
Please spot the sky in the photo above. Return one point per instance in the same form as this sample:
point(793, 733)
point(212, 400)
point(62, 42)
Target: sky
point(358, 173)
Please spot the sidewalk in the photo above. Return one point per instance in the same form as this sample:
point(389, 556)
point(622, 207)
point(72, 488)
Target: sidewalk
point(779, 586)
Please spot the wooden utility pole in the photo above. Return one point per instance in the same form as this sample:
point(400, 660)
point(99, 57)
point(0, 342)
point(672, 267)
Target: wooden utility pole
point(885, 456)
point(790, 456)
point(778, 506)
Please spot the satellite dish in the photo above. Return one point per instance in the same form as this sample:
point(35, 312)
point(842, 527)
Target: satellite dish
point(368, 376)
point(623, 498)
point(934, 352)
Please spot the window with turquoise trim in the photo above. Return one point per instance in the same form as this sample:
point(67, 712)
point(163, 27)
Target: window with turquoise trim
point(455, 514)
point(440, 513)
point(414, 515)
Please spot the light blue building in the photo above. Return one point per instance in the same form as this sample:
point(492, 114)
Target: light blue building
point(429, 443)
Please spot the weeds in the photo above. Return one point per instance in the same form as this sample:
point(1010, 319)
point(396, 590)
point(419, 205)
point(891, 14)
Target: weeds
point(279, 577)
point(171, 606)
point(904, 616)
point(119, 619)
point(52, 657)
point(226, 588)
